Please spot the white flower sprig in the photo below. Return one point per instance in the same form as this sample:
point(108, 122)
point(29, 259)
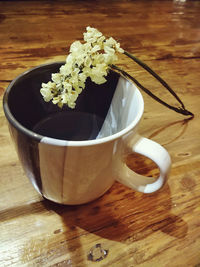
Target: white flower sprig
point(90, 59)
point(93, 59)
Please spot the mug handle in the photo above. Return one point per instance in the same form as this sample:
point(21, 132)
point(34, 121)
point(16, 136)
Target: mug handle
point(156, 153)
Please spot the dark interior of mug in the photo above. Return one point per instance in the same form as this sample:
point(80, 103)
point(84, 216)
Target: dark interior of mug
point(82, 123)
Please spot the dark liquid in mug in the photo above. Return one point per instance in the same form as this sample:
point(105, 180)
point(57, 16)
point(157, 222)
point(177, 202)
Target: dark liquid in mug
point(73, 126)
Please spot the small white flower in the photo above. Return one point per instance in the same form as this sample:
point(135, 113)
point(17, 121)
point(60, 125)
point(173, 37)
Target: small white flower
point(56, 99)
point(66, 69)
point(56, 77)
point(88, 61)
point(75, 47)
point(82, 77)
point(87, 47)
point(64, 98)
point(91, 35)
point(72, 99)
point(70, 60)
point(97, 79)
point(109, 58)
point(95, 49)
point(100, 41)
point(67, 86)
point(46, 93)
point(113, 44)
point(98, 59)
point(109, 50)
point(118, 48)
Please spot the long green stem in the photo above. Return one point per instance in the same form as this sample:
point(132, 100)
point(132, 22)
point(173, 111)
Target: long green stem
point(181, 109)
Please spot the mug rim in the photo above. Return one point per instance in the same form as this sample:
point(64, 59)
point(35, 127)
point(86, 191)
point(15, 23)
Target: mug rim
point(61, 142)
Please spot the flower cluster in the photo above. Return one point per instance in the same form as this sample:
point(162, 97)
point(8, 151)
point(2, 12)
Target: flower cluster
point(90, 59)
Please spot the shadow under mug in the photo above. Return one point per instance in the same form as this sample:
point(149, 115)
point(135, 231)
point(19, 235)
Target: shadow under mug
point(74, 171)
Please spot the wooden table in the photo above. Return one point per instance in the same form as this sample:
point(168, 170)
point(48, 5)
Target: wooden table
point(161, 229)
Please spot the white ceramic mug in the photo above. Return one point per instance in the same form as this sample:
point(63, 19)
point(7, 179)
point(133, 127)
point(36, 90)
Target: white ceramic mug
point(77, 172)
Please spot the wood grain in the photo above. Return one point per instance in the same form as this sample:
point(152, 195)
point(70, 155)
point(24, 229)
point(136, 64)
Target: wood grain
point(161, 229)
